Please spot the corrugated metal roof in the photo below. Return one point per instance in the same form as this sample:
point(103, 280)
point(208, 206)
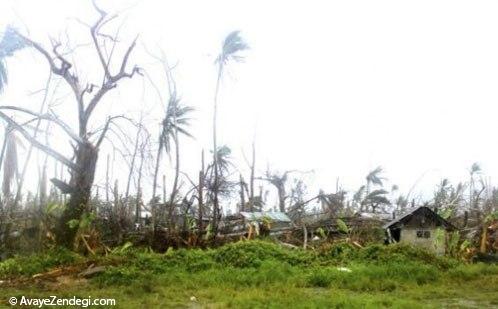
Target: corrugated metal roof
point(273, 215)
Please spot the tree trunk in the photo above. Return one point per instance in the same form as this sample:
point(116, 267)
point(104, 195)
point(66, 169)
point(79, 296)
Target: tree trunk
point(242, 195)
point(156, 169)
point(251, 182)
point(174, 190)
point(132, 167)
point(43, 185)
point(200, 195)
point(201, 202)
point(138, 208)
point(216, 205)
point(107, 186)
point(81, 181)
point(281, 198)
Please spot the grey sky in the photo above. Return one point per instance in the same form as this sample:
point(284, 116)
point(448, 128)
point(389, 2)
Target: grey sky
point(337, 87)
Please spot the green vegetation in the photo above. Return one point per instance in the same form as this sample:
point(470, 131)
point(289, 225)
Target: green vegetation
point(264, 274)
point(37, 263)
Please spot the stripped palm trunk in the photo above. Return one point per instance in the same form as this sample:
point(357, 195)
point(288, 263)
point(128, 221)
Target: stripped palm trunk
point(216, 205)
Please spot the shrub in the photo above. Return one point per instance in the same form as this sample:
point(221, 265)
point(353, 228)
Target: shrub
point(37, 263)
point(341, 253)
point(319, 278)
point(190, 259)
point(123, 276)
point(474, 271)
point(252, 253)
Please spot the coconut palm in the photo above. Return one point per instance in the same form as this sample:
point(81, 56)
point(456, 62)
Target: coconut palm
point(176, 120)
point(375, 199)
point(230, 51)
point(224, 160)
point(374, 178)
point(175, 123)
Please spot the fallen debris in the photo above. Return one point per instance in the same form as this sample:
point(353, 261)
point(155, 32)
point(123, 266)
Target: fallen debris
point(91, 271)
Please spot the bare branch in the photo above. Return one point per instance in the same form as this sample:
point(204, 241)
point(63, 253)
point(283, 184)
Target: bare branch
point(122, 72)
point(62, 71)
point(48, 117)
point(106, 127)
point(112, 80)
point(51, 152)
point(93, 32)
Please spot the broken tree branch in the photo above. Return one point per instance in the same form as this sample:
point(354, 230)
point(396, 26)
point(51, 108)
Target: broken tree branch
point(56, 155)
point(48, 117)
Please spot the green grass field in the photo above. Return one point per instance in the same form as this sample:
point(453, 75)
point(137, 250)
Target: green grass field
point(260, 274)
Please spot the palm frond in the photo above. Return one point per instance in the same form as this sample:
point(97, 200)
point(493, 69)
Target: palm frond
point(358, 196)
point(232, 45)
point(10, 43)
point(374, 176)
point(375, 193)
point(475, 168)
point(176, 120)
point(223, 156)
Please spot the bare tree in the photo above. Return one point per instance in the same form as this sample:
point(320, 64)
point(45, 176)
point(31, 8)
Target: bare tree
point(82, 166)
point(279, 181)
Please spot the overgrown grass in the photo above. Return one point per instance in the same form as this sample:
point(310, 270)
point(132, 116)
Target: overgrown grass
point(37, 263)
point(264, 274)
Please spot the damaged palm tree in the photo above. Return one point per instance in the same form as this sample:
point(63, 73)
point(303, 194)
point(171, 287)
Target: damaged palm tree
point(86, 98)
point(230, 51)
point(375, 198)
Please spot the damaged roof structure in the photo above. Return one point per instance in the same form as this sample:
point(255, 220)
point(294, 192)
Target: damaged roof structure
point(239, 224)
point(419, 226)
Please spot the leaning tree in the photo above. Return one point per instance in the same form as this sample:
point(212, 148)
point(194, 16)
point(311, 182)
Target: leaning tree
point(87, 96)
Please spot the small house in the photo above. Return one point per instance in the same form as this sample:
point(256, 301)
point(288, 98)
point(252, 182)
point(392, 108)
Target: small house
point(420, 226)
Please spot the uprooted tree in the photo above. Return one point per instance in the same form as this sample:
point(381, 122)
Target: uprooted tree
point(87, 96)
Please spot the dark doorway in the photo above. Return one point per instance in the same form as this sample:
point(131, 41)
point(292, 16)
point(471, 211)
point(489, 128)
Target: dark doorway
point(396, 234)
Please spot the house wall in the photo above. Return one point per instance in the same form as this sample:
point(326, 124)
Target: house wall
point(409, 236)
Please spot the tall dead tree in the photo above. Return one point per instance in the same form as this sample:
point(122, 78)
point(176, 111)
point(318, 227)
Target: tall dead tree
point(86, 98)
point(242, 194)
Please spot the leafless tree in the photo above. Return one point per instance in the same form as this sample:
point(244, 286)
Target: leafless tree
point(87, 97)
point(279, 181)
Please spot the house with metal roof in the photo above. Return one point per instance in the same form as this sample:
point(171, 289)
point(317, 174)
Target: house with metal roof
point(420, 226)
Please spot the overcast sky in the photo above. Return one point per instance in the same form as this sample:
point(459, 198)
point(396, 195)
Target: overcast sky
point(338, 87)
